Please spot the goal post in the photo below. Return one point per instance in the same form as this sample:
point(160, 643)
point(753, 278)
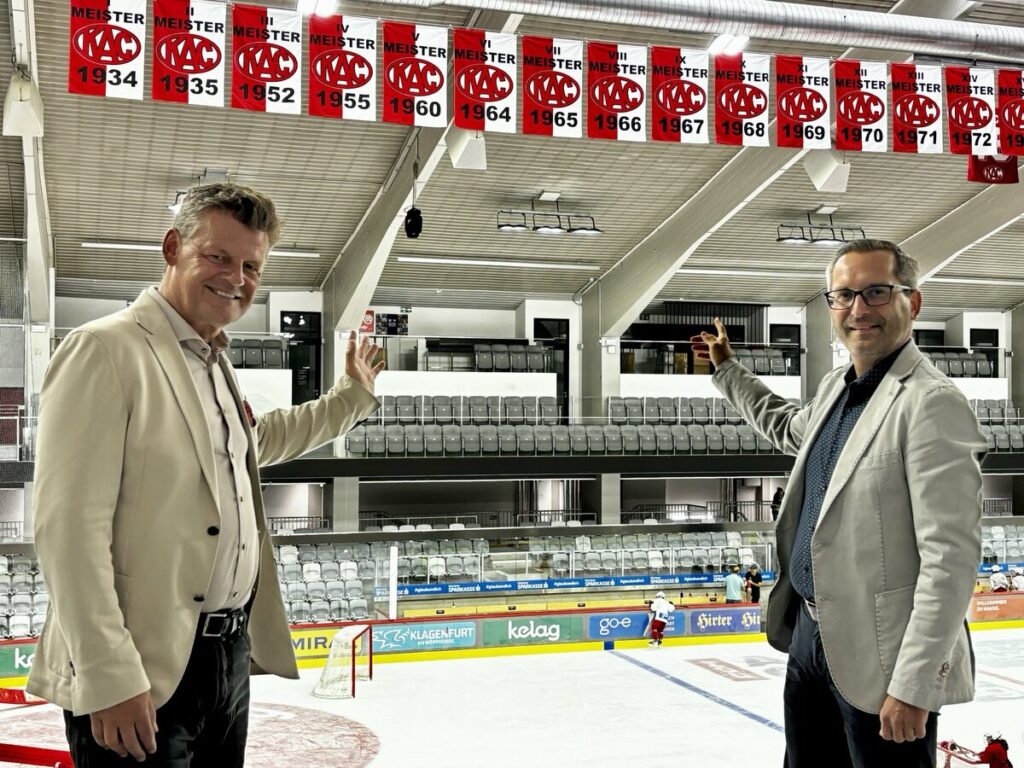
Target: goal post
point(350, 659)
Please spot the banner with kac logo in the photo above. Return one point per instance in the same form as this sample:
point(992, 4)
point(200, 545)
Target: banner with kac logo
point(266, 59)
point(415, 71)
point(552, 87)
point(343, 67)
point(862, 103)
point(1010, 111)
point(916, 108)
point(485, 80)
point(802, 100)
point(971, 111)
point(188, 52)
point(107, 48)
point(679, 95)
point(741, 99)
point(616, 91)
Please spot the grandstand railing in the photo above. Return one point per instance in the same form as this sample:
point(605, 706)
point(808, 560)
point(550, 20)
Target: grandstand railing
point(670, 513)
point(285, 524)
point(548, 517)
point(437, 522)
point(741, 511)
point(997, 507)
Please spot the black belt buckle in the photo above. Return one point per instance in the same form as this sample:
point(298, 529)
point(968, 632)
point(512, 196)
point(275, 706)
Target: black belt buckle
point(222, 624)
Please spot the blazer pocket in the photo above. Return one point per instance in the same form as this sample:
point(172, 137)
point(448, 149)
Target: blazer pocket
point(892, 614)
point(884, 459)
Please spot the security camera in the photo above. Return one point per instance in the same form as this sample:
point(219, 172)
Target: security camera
point(413, 223)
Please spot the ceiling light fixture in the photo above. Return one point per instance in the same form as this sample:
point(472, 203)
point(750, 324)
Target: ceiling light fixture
point(546, 221)
point(498, 263)
point(820, 231)
point(179, 198)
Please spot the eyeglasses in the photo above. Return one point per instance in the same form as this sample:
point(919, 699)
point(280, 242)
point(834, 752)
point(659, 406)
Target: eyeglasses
point(873, 295)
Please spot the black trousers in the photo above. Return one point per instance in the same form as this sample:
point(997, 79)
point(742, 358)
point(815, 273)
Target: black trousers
point(205, 722)
point(823, 729)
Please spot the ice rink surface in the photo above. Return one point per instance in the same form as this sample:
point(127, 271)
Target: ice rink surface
point(679, 706)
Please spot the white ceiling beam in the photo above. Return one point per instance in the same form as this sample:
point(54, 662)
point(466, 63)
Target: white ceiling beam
point(38, 251)
point(354, 276)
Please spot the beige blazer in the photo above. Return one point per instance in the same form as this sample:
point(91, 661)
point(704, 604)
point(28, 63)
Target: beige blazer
point(125, 490)
point(898, 542)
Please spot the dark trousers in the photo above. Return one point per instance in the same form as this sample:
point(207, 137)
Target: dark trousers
point(205, 722)
point(823, 729)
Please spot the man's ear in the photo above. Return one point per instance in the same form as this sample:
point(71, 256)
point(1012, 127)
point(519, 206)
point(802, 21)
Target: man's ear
point(915, 304)
point(171, 247)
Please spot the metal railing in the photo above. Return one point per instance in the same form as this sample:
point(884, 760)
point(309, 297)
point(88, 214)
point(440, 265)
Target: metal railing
point(292, 524)
point(996, 507)
point(548, 517)
point(435, 522)
point(671, 513)
point(741, 511)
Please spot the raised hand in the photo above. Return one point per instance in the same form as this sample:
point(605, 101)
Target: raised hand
point(359, 361)
point(708, 346)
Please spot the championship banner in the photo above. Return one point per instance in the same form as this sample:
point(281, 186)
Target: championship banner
point(862, 98)
point(741, 99)
point(415, 67)
point(616, 91)
point(803, 90)
point(485, 80)
point(107, 46)
point(552, 87)
point(188, 52)
point(916, 108)
point(266, 66)
point(971, 111)
point(342, 67)
point(1010, 111)
point(679, 89)
point(993, 169)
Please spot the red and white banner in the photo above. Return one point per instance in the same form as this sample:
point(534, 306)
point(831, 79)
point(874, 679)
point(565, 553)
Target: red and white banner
point(367, 325)
point(916, 108)
point(862, 103)
point(971, 111)
point(803, 92)
point(107, 48)
point(485, 80)
point(552, 87)
point(741, 99)
point(679, 92)
point(188, 52)
point(343, 67)
point(616, 91)
point(266, 65)
point(415, 69)
point(993, 169)
point(1010, 111)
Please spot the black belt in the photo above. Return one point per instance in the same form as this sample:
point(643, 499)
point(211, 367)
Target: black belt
point(222, 625)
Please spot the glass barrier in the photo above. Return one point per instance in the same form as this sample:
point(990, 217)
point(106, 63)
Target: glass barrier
point(969, 363)
point(676, 358)
point(448, 354)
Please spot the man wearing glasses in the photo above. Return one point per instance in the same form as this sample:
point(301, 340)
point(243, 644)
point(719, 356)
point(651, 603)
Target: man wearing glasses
point(879, 535)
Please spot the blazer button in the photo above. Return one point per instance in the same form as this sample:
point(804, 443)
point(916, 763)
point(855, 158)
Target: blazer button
point(199, 598)
point(213, 530)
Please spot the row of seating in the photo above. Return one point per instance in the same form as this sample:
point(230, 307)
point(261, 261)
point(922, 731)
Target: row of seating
point(634, 541)
point(394, 528)
point(343, 554)
point(673, 410)
point(993, 551)
point(509, 357)
point(25, 583)
point(22, 624)
point(333, 610)
point(1002, 437)
point(962, 364)
point(457, 409)
point(764, 362)
point(320, 590)
point(18, 564)
point(488, 440)
point(697, 560)
point(258, 353)
point(995, 411)
point(24, 602)
point(327, 570)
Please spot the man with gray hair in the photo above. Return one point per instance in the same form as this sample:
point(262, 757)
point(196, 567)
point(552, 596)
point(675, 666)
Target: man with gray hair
point(886, 485)
point(149, 520)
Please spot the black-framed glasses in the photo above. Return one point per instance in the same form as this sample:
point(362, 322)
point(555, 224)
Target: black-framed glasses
point(873, 295)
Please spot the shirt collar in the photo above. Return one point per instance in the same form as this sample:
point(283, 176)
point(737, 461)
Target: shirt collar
point(870, 379)
point(184, 332)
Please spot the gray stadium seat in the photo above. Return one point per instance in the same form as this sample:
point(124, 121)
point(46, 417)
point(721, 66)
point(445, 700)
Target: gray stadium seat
point(451, 436)
point(501, 357)
point(252, 349)
point(514, 411)
point(355, 441)
point(634, 410)
point(543, 439)
point(698, 440)
point(535, 359)
point(495, 410)
point(433, 440)
point(595, 439)
point(376, 444)
point(612, 439)
point(680, 439)
point(414, 440)
point(235, 354)
point(394, 435)
point(561, 439)
point(630, 439)
point(663, 438)
point(548, 407)
point(388, 410)
point(652, 415)
point(273, 353)
point(525, 442)
point(484, 357)
point(507, 443)
point(442, 409)
point(667, 410)
point(478, 410)
point(578, 439)
point(471, 439)
point(405, 407)
point(616, 410)
point(488, 440)
point(530, 410)
point(517, 358)
point(648, 442)
point(701, 413)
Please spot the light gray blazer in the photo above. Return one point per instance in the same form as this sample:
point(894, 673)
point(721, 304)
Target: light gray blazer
point(898, 542)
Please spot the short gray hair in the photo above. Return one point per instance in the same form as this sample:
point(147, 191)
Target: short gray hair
point(247, 206)
point(906, 266)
